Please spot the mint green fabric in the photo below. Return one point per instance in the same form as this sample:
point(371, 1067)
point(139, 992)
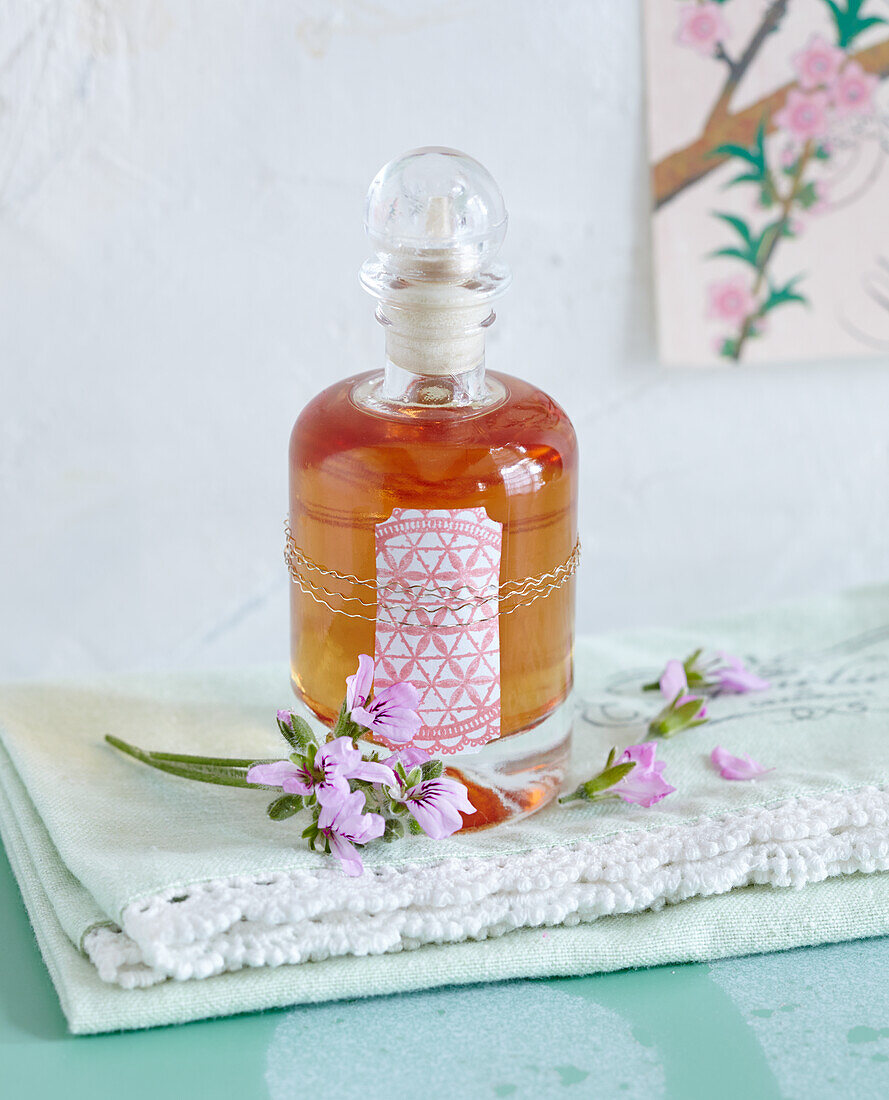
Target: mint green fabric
point(89, 832)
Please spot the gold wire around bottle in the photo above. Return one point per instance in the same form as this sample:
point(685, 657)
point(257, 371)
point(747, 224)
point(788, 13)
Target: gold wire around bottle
point(450, 599)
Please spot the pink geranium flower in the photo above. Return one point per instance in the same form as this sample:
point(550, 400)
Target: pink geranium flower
point(732, 676)
point(360, 684)
point(391, 713)
point(702, 27)
point(436, 804)
point(674, 687)
point(334, 765)
point(645, 784)
point(818, 63)
point(730, 299)
point(853, 92)
point(409, 757)
point(343, 825)
point(736, 767)
point(804, 115)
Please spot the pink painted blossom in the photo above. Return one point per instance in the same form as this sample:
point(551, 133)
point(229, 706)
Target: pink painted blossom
point(702, 27)
point(736, 767)
point(822, 198)
point(732, 676)
point(285, 717)
point(334, 765)
point(409, 757)
point(853, 92)
point(436, 804)
point(645, 784)
point(342, 824)
point(804, 115)
point(730, 299)
point(818, 63)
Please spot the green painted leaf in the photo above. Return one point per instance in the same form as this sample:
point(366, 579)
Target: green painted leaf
point(740, 151)
point(766, 240)
point(736, 254)
point(782, 295)
point(738, 224)
point(744, 177)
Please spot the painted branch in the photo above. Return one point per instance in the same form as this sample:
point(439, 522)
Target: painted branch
point(679, 170)
point(770, 23)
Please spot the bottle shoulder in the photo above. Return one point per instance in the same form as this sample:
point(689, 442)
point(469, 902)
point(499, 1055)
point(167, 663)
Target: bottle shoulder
point(526, 417)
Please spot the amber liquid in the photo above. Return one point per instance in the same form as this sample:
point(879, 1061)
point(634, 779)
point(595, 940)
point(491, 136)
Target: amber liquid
point(350, 466)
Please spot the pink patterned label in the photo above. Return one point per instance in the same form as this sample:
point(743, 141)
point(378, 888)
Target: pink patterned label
point(438, 578)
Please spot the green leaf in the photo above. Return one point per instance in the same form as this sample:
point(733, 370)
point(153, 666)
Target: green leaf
point(729, 348)
point(674, 718)
point(299, 735)
point(607, 778)
point(285, 806)
point(414, 826)
point(432, 769)
point(340, 727)
point(394, 830)
point(807, 196)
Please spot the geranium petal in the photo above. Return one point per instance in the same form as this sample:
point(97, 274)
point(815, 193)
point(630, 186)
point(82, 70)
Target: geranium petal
point(736, 767)
point(673, 680)
point(347, 855)
point(271, 775)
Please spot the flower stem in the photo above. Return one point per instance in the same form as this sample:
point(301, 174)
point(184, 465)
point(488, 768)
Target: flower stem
point(226, 773)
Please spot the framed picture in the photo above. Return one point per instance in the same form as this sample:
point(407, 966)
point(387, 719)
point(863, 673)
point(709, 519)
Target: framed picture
point(768, 130)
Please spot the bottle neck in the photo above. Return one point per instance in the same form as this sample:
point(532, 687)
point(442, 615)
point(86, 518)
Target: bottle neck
point(435, 341)
point(407, 387)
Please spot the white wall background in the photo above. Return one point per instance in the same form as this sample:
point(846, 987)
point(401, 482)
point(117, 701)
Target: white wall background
point(181, 187)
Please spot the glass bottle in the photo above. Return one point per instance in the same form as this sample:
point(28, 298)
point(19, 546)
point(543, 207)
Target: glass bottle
point(433, 504)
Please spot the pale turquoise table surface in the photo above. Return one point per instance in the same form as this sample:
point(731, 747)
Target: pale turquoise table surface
point(810, 1023)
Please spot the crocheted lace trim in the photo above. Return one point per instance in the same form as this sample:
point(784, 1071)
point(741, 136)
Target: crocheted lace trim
point(299, 916)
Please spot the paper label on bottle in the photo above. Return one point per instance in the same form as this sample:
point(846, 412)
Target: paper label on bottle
point(438, 578)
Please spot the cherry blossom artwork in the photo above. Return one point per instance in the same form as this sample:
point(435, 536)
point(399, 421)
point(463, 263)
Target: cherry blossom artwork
point(769, 146)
